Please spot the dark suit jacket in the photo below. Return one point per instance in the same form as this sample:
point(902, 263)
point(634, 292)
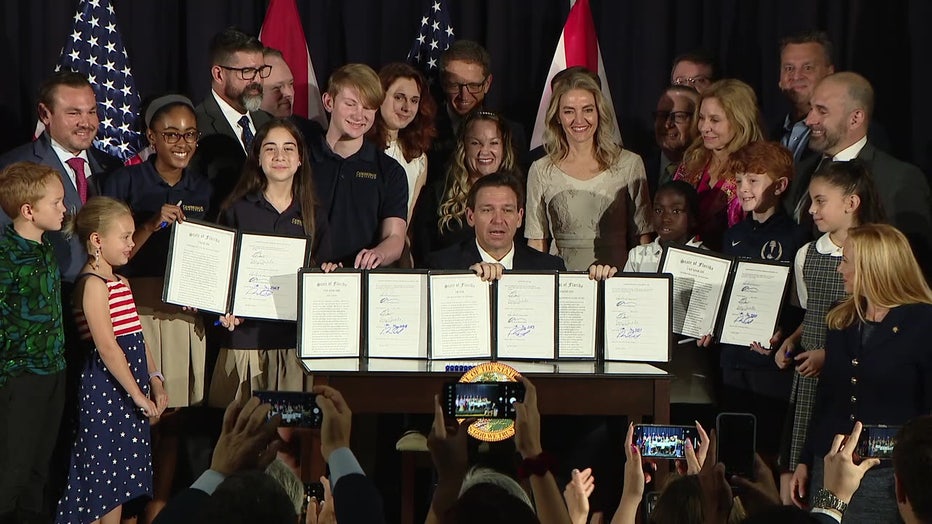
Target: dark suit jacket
point(904, 193)
point(219, 154)
point(466, 253)
point(892, 375)
point(183, 507)
point(357, 501)
point(71, 255)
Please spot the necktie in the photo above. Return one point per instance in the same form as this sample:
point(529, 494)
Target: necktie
point(80, 180)
point(247, 135)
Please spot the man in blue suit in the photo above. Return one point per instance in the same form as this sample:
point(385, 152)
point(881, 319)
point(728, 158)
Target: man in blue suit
point(68, 109)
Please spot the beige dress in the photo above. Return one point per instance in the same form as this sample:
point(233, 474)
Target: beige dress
point(593, 220)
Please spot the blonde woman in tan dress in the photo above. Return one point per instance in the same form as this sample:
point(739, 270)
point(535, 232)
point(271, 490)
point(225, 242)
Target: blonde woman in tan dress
point(588, 194)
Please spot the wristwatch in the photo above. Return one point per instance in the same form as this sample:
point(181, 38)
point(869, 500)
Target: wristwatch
point(825, 499)
point(158, 375)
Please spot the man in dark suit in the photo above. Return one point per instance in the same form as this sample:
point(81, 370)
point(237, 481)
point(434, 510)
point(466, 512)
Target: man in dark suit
point(278, 94)
point(68, 109)
point(842, 105)
point(229, 116)
point(465, 79)
point(495, 208)
point(674, 131)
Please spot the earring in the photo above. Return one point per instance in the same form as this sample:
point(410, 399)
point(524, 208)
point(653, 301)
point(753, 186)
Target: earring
point(96, 263)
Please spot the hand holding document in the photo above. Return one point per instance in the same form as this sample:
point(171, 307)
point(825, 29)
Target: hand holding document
point(699, 282)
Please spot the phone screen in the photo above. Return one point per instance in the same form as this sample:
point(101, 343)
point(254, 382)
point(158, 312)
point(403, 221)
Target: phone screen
point(482, 399)
point(667, 442)
point(877, 442)
point(297, 409)
point(737, 433)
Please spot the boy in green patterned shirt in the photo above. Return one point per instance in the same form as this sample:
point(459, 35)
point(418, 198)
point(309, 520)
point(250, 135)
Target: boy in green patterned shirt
point(32, 341)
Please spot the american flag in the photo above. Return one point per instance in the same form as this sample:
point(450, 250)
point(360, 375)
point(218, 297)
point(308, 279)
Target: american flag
point(434, 37)
point(95, 49)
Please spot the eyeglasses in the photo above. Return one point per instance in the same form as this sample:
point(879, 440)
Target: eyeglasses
point(680, 117)
point(249, 73)
point(691, 81)
point(173, 138)
point(471, 87)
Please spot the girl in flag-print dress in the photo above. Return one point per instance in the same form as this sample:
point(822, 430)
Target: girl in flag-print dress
point(111, 468)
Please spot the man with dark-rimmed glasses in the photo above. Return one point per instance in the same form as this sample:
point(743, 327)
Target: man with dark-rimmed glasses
point(229, 116)
point(465, 78)
point(674, 131)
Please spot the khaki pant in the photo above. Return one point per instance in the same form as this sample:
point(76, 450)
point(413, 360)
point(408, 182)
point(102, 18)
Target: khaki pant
point(176, 340)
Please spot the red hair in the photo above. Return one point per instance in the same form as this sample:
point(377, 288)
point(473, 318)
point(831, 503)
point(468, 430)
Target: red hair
point(416, 137)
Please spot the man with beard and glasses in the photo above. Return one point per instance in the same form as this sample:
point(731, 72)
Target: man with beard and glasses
point(841, 109)
point(229, 116)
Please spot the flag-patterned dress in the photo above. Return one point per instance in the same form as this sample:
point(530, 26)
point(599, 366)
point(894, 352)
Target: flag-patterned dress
point(110, 459)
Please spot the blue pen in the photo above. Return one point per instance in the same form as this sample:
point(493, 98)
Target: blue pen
point(163, 224)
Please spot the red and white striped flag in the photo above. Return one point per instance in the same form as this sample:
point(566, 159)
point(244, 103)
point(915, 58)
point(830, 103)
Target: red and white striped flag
point(282, 30)
point(578, 46)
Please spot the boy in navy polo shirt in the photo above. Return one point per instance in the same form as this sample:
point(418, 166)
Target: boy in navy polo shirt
point(752, 382)
point(363, 190)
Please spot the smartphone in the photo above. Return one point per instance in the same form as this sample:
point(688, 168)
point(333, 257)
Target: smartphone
point(650, 502)
point(298, 409)
point(877, 441)
point(482, 399)
point(314, 489)
point(667, 442)
point(737, 437)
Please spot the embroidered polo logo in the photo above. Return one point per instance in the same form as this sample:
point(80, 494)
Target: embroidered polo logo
point(366, 174)
point(196, 209)
point(772, 250)
point(297, 222)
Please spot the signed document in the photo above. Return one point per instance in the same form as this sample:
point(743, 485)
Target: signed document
point(638, 318)
point(330, 316)
point(578, 301)
point(753, 305)
point(526, 315)
point(460, 316)
point(397, 314)
point(266, 284)
point(699, 280)
point(200, 266)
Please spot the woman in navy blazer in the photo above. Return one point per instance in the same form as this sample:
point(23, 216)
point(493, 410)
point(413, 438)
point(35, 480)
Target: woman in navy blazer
point(878, 367)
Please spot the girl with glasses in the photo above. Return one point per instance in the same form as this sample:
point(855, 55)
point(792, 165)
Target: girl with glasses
point(160, 191)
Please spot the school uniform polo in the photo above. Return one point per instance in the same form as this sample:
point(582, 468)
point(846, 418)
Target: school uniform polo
point(141, 187)
point(777, 239)
point(358, 193)
point(254, 214)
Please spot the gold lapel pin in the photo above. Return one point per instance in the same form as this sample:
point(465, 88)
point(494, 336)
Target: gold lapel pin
point(896, 329)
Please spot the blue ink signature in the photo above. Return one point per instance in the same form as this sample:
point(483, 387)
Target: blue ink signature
point(745, 318)
point(262, 290)
point(521, 330)
point(631, 332)
point(393, 329)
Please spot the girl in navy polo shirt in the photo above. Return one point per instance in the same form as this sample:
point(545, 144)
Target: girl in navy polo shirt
point(161, 191)
point(274, 195)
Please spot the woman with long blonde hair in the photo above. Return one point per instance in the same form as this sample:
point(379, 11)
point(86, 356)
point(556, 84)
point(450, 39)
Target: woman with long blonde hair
point(878, 363)
point(589, 194)
point(728, 119)
point(483, 147)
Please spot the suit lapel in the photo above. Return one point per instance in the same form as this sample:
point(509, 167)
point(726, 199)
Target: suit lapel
point(42, 148)
point(889, 328)
point(217, 120)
